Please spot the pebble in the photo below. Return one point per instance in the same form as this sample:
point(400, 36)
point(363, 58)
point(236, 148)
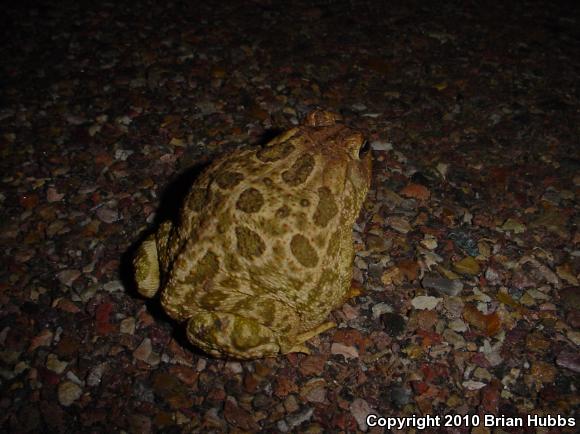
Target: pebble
point(55, 365)
point(20, 368)
point(443, 168)
point(43, 339)
point(511, 225)
point(473, 385)
point(127, 326)
point(348, 351)
point(467, 266)
point(72, 377)
point(201, 365)
point(360, 409)
point(543, 372)
point(94, 129)
point(295, 419)
point(68, 392)
point(570, 297)
point(282, 426)
point(409, 269)
point(478, 295)
point(416, 191)
point(185, 374)
point(144, 352)
point(389, 198)
point(484, 249)
point(140, 423)
point(96, 374)
point(453, 307)
point(552, 219)
point(439, 351)
point(574, 336)
point(313, 364)
point(171, 389)
point(425, 302)
point(261, 401)
point(291, 404)
point(67, 306)
point(113, 286)
point(565, 273)
point(465, 242)
point(234, 367)
point(379, 145)
point(361, 264)
point(350, 312)
point(392, 276)
point(67, 277)
point(123, 154)
point(424, 319)
point(537, 342)
point(453, 338)
point(314, 390)
point(537, 295)
point(284, 387)
point(442, 285)
point(429, 242)
point(399, 395)
point(458, 325)
point(381, 308)
point(142, 391)
point(511, 377)
point(492, 276)
point(493, 352)
point(490, 324)
point(482, 374)
point(569, 360)
point(28, 201)
point(108, 215)
point(394, 324)
point(3, 335)
point(376, 270)
point(400, 224)
point(527, 300)
point(52, 195)
point(376, 244)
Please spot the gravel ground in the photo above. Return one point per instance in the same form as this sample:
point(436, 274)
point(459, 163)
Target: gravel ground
point(468, 256)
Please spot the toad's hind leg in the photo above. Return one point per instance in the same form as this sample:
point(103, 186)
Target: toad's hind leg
point(225, 334)
point(297, 344)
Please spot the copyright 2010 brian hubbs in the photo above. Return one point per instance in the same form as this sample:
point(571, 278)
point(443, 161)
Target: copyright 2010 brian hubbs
point(462, 421)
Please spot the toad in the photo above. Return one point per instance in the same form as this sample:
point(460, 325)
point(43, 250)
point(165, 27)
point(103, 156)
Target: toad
point(262, 248)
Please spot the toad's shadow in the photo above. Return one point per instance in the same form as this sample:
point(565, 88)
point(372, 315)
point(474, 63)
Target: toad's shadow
point(169, 205)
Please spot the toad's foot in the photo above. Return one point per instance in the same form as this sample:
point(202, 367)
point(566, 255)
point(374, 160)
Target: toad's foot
point(148, 256)
point(146, 264)
point(298, 345)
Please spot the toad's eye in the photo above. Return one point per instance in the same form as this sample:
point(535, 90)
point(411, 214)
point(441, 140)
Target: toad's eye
point(364, 149)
